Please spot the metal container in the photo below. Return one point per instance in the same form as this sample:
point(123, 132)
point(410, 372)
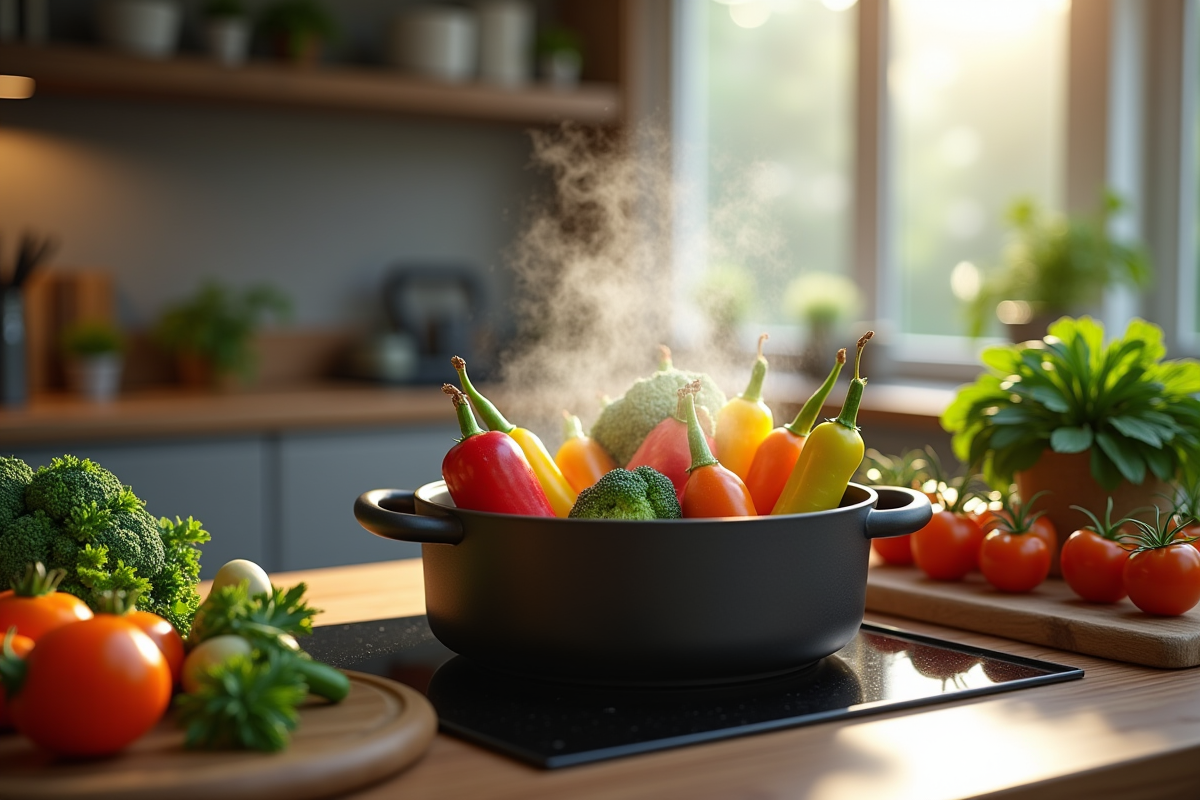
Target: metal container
point(655, 602)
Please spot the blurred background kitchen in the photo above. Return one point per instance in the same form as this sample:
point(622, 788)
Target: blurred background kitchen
point(248, 235)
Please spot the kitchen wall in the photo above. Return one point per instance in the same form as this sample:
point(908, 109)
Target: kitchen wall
point(164, 195)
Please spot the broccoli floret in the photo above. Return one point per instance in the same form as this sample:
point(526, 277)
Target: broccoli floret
point(68, 483)
point(643, 493)
point(625, 422)
point(27, 539)
point(15, 476)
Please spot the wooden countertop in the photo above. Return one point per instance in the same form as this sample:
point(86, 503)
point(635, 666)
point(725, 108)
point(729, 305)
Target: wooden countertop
point(175, 413)
point(1122, 731)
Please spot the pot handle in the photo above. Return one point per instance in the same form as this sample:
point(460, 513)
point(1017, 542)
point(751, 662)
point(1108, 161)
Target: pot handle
point(392, 514)
point(897, 512)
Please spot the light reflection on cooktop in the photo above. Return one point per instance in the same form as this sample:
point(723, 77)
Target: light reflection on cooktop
point(555, 725)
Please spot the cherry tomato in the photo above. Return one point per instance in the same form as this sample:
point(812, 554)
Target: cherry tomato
point(1014, 562)
point(35, 616)
point(164, 635)
point(947, 548)
point(1094, 567)
point(21, 645)
point(1164, 581)
point(91, 688)
point(894, 549)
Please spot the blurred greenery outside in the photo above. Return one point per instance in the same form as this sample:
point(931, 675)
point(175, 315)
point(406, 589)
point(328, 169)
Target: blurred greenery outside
point(977, 104)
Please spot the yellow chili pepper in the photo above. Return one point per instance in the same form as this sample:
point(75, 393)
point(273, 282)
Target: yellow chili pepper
point(830, 456)
point(581, 458)
point(744, 421)
point(558, 491)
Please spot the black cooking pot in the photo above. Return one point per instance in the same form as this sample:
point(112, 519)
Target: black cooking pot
point(655, 602)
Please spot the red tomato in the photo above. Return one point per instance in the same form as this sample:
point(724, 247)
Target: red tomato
point(91, 688)
point(1164, 581)
point(894, 549)
point(21, 645)
point(947, 548)
point(1014, 562)
point(164, 635)
point(1094, 567)
point(34, 616)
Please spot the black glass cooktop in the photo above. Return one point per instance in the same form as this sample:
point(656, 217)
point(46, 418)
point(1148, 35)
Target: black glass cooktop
point(556, 725)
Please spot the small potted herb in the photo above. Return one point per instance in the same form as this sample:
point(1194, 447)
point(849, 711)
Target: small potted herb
point(560, 56)
point(823, 302)
point(297, 30)
point(211, 334)
point(227, 31)
point(93, 352)
point(1081, 420)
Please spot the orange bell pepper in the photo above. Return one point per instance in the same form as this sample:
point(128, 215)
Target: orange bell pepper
point(711, 490)
point(582, 460)
point(745, 421)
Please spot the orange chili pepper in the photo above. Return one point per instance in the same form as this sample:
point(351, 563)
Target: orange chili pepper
point(745, 421)
point(582, 460)
point(777, 455)
point(712, 490)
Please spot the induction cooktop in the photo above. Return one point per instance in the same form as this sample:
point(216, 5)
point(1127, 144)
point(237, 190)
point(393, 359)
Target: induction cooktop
point(554, 725)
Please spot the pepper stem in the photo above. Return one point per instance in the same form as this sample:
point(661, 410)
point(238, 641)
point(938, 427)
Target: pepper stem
point(758, 374)
point(12, 666)
point(572, 427)
point(849, 415)
point(491, 415)
point(466, 420)
point(802, 425)
point(664, 358)
point(37, 582)
point(697, 444)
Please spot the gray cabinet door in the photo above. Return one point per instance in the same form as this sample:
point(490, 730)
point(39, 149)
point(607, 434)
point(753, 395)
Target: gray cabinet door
point(219, 482)
point(320, 476)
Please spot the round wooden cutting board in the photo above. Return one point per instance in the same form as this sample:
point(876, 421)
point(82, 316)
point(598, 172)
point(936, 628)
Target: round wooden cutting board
point(379, 729)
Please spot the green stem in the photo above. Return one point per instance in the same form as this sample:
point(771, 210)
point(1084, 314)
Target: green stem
point(37, 582)
point(572, 427)
point(323, 680)
point(491, 415)
point(697, 444)
point(802, 425)
point(664, 358)
point(466, 420)
point(12, 667)
point(849, 415)
point(758, 374)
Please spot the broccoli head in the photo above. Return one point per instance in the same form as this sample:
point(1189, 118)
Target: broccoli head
point(625, 422)
point(15, 475)
point(68, 483)
point(26, 540)
point(643, 493)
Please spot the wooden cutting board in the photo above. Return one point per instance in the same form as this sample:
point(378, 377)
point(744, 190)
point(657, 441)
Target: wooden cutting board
point(380, 728)
point(1051, 615)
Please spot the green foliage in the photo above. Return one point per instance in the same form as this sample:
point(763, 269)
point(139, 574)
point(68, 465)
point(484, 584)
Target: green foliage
point(557, 39)
point(1135, 412)
point(15, 476)
point(86, 339)
point(218, 324)
point(910, 469)
point(1057, 264)
point(298, 23)
point(174, 589)
point(232, 610)
point(244, 703)
point(726, 295)
point(642, 493)
point(625, 422)
point(821, 299)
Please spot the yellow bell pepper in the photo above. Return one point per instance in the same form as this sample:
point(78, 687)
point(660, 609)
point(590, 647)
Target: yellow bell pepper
point(744, 422)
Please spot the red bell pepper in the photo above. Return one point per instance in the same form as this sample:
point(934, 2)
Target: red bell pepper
point(666, 447)
point(486, 470)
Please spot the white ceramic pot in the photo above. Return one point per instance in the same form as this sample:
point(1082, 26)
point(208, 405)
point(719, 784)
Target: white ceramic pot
point(506, 42)
point(145, 28)
point(561, 70)
point(228, 39)
point(438, 42)
point(98, 378)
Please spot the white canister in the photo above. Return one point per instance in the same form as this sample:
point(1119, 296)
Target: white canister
point(146, 28)
point(437, 42)
point(228, 39)
point(506, 42)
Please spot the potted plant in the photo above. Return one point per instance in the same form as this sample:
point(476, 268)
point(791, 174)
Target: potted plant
point(93, 352)
point(1080, 420)
point(227, 31)
point(560, 56)
point(725, 296)
point(822, 301)
point(1055, 266)
point(211, 334)
point(297, 30)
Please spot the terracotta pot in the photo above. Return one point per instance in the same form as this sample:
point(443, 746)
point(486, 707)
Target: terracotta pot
point(1067, 477)
point(197, 372)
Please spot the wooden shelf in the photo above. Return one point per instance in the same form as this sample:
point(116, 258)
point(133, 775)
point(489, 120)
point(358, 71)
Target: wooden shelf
point(76, 70)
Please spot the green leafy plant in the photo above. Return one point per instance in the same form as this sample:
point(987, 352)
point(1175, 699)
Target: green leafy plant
point(556, 39)
point(219, 323)
point(88, 339)
point(1056, 264)
point(298, 26)
point(1070, 393)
